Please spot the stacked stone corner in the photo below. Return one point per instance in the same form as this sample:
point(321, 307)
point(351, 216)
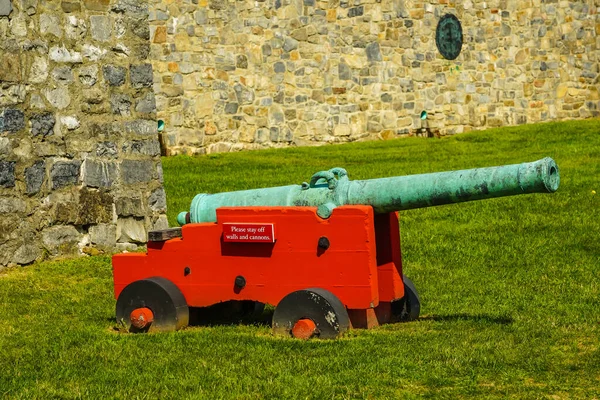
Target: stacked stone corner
point(80, 169)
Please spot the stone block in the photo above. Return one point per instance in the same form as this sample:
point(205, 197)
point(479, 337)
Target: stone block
point(100, 27)
point(137, 171)
point(63, 75)
point(141, 75)
point(64, 173)
point(10, 67)
point(50, 24)
point(99, 174)
point(147, 104)
point(94, 207)
point(131, 230)
point(12, 205)
point(58, 97)
point(103, 235)
point(96, 5)
point(62, 54)
point(120, 104)
point(12, 120)
point(42, 124)
point(5, 146)
point(106, 149)
point(135, 8)
point(141, 127)
point(5, 8)
point(161, 223)
point(35, 177)
point(130, 206)
point(373, 52)
point(139, 27)
point(39, 70)
point(7, 174)
point(70, 6)
point(158, 200)
point(114, 75)
point(145, 147)
point(26, 254)
point(160, 35)
point(71, 123)
point(61, 239)
point(88, 75)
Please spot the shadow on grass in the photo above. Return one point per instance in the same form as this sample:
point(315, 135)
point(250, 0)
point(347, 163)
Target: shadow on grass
point(232, 313)
point(480, 318)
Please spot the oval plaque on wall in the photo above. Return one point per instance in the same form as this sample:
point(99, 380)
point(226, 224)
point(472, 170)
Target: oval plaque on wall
point(449, 37)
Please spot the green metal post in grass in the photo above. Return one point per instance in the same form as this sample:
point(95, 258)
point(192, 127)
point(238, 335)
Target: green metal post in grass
point(329, 189)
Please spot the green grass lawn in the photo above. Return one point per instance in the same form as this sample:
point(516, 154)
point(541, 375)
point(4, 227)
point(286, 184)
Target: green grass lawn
point(510, 292)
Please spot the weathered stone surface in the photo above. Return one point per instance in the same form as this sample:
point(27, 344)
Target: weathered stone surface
point(373, 51)
point(61, 239)
point(70, 6)
point(137, 171)
point(130, 206)
point(104, 235)
point(35, 177)
point(42, 124)
point(58, 97)
point(72, 74)
point(141, 75)
point(64, 173)
point(99, 173)
point(7, 174)
point(114, 75)
point(95, 207)
point(96, 5)
point(12, 205)
point(5, 8)
point(26, 254)
point(63, 75)
point(161, 223)
point(131, 230)
point(5, 146)
point(136, 8)
point(100, 27)
point(50, 24)
point(146, 104)
point(120, 104)
point(158, 200)
point(88, 75)
point(62, 54)
point(12, 120)
point(145, 147)
point(39, 70)
point(69, 122)
point(106, 149)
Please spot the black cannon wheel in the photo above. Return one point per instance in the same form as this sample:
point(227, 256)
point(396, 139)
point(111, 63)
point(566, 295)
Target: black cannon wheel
point(310, 312)
point(167, 305)
point(407, 308)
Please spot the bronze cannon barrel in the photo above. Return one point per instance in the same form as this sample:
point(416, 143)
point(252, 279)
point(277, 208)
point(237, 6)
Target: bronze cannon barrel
point(329, 189)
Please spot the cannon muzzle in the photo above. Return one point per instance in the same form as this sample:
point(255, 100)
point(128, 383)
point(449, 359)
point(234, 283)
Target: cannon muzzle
point(329, 189)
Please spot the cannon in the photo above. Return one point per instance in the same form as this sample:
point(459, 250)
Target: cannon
point(325, 253)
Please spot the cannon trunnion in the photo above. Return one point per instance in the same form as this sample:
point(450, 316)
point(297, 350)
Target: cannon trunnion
point(326, 253)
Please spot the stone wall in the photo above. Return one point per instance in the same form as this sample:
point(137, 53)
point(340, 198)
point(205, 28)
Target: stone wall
point(79, 157)
point(246, 74)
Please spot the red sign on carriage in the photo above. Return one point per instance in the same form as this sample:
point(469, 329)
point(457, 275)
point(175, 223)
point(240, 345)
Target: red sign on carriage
point(248, 232)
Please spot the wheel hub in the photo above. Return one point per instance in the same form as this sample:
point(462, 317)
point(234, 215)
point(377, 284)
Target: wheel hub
point(141, 318)
point(304, 329)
